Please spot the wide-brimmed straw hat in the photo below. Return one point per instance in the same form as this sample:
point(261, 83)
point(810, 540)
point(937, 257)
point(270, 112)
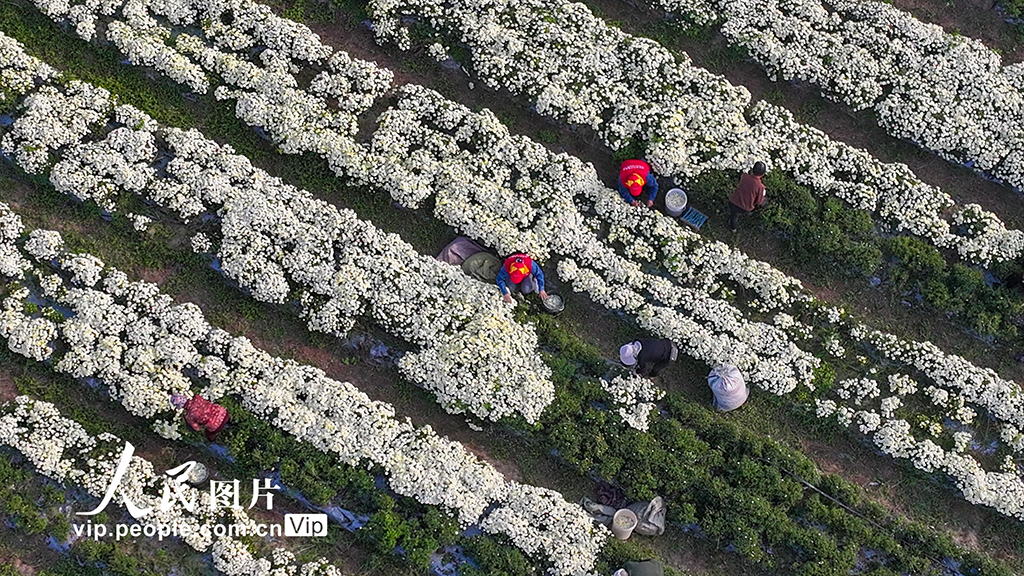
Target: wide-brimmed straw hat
point(629, 352)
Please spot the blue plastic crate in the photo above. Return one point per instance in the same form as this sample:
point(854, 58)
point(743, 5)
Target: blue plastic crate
point(694, 217)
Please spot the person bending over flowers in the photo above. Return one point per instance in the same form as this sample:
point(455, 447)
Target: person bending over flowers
point(202, 415)
point(520, 273)
point(648, 356)
point(635, 178)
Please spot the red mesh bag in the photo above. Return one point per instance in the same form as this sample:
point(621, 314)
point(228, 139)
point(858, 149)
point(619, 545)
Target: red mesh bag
point(200, 413)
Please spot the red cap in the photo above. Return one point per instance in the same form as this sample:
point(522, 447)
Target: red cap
point(518, 269)
point(635, 183)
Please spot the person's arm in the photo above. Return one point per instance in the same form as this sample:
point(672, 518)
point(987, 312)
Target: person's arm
point(539, 275)
point(761, 197)
point(502, 281)
point(643, 365)
point(624, 192)
point(652, 191)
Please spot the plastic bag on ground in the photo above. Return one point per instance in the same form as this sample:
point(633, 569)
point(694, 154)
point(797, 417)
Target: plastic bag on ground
point(599, 512)
point(650, 517)
point(459, 250)
point(729, 388)
point(483, 266)
point(645, 568)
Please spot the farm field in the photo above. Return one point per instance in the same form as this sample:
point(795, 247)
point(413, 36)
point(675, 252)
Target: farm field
point(243, 201)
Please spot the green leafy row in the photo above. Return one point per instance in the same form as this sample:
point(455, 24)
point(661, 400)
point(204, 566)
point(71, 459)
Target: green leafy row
point(831, 239)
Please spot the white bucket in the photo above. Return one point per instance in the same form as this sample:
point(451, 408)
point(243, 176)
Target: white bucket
point(675, 202)
point(623, 523)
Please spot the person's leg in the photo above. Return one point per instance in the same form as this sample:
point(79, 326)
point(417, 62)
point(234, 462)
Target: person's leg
point(529, 285)
point(734, 215)
point(658, 367)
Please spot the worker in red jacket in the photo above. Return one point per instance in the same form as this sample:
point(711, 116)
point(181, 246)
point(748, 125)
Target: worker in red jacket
point(749, 194)
point(521, 273)
point(636, 178)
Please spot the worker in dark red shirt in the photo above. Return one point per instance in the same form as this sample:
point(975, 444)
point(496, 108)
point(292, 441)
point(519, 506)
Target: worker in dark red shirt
point(749, 194)
point(636, 178)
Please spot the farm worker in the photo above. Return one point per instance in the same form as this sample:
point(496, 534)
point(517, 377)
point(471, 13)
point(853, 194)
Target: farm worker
point(202, 415)
point(521, 273)
point(749, 194)
point(648, 355)
point(635, 177)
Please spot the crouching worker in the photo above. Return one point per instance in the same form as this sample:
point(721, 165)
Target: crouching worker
point(648, 355)
point(636, 178)
point(202, 415)
point(520, 273)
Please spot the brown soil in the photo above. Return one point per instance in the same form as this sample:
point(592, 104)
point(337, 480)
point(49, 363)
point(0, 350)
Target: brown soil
point(7, 388)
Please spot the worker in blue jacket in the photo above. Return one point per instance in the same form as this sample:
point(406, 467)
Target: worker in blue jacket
point(521, 273)
point(635, 178)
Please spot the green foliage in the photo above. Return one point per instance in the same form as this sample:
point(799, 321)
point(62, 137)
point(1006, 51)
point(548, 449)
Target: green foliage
point(831, 238)
point(547, 136)
point(915, 259)
point(495, 559)
point(384, 530)
point(829, 235)
point(632, 149)
point(742, 489)
point(108, 555)
point(956, 290)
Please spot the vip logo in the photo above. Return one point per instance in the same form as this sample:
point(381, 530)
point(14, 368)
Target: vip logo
point(305, 524)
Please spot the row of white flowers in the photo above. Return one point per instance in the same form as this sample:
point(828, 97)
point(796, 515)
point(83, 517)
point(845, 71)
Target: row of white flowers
point(145, 348)
point(521, 187)
point(509, 190)
point(262, 227)
point(414, 155)
point(947, 92)
point(281, 244)
point(710, 329)
point(534, 199)
point(1002, 490)
point(574, 66)
point(634, 397)
point(62, 450)
point(569, 62)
